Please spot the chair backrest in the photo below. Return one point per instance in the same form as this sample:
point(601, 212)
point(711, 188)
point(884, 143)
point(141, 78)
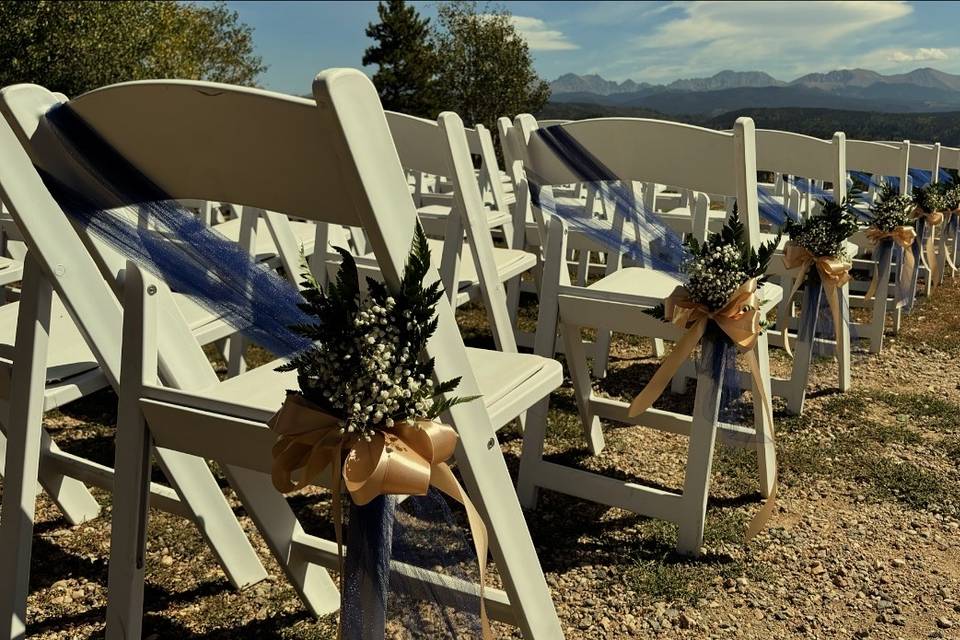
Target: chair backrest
point(443, 148)
point(950, 158)
point(927, 158)
point(880, 159)
point(334, 164)
point(805, 156)
point(642, 150)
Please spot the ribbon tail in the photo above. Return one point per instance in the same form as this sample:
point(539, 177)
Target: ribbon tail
point(831, 290)
point(932, 257)
point(797, 283)
point(443, 479)
point(907, 265)
point(670, 365)
point(760, 519)
point(337, 507)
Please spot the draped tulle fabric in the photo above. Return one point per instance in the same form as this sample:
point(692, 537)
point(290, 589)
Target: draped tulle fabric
point(129, 214)
point(644, 238)
point(135, 218)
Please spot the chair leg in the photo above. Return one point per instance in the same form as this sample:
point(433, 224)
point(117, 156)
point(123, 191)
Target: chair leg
point(532, 453)
point(582, 387)
point(128, 526)
point(703, 431)
point(601, 353)
point(803, 353)
point(190, 477)
point(280, 528)
point(22, 462)
point(71, 496)
point(763, 424)
point(659, 349)
point(843, 340)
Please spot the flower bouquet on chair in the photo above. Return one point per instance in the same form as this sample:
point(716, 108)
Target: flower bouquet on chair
point(816, 251)
point(929, 210)
point(365, 419)
point(891, 224)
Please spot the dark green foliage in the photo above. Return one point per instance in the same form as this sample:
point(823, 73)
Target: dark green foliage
point(891, 210)
point(346, 348)
point(485, 69)
point(825, 233)
point(73, 46)
point(932, 197)
point(713, 273)
point(405, 58)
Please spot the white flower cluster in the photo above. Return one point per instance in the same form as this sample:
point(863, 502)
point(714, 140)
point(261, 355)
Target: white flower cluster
point(714, 275)
point(892, 213)
point(373, 380)
point(952, 197)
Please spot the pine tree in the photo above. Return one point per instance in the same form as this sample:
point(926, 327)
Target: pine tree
point(405, 59)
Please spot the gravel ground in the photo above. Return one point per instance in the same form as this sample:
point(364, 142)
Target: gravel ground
point(864, 542)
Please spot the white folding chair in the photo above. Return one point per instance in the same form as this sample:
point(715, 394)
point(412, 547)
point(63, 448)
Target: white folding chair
point(338, 166)
point(813, 159)
point(949, 159)
point(690, 157)
point(881, 160)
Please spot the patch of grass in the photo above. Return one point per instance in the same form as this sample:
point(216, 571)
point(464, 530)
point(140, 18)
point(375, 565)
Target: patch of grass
point(907, 483)
point(724, 526)
point(846, 407)
point(896, 433)
point(669, 582)
point(932, 410)
point(951, 447)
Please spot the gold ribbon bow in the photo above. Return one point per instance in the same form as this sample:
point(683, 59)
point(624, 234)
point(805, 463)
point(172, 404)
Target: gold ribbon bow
point(406, 459)
point(903, 236)
point(833, 272)
point(739, 319)
point(929, 258)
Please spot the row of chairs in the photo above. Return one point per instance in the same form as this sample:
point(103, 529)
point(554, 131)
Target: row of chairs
point(348, 174)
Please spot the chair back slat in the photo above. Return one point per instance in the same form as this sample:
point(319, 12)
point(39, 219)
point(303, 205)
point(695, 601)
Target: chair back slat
point(805, 156)
point(655, 151)
point(879, 159)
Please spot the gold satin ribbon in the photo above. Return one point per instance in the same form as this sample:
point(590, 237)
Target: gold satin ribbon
point(406, 459)
point(903, 236)
point(739, 319)
point(930, 259)
point(833, 272)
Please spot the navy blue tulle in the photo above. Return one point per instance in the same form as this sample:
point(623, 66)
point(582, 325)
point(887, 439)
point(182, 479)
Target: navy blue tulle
point(138, 220)
point(642, 227)
point(774, 210)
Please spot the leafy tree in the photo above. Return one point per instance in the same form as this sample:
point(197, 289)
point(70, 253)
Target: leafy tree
point(74, 46)
point(405, 59)
point(485, 68)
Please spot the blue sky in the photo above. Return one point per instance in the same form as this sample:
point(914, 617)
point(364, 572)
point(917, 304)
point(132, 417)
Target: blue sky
point(645, 41)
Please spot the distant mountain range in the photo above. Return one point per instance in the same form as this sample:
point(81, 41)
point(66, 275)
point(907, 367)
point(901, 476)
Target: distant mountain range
point(920, 90)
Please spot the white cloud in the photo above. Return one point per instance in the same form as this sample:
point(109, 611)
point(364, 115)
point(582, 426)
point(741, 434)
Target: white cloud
point(539, 36)
point(799, 36)
point(918, 55)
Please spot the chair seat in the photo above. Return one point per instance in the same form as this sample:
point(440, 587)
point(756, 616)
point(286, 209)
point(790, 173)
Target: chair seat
point(650, 283)
point(71, 362)
point(508, 382)
point(305, 233)
point(510, 263)
point(10, 270)
point(638, 281)
point(433, 215)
